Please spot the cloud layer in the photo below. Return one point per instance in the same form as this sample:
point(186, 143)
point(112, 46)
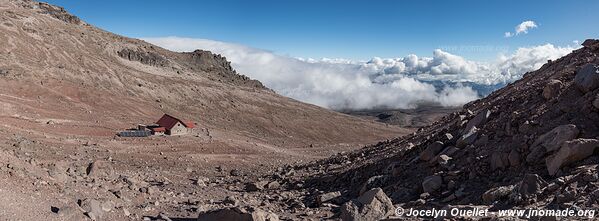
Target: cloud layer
point(404, 82)
point(522, 28)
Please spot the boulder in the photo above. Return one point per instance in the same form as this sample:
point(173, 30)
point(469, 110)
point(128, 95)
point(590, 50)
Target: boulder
point(536, 154)
point(570, 152)
point(531, 186)
point(372, 205)
point(432, 183)
point(431, 151)
point(238, 214)
point(587, 77)
point(468, 138)
point(497, 193)
point(99, 169)
point(448, 151)
point(590, 42)
point(256, 186)
point(92, 208)
point(58, 172)
point(479, 120)
point(326, 197)
point(553, 139)
point(552, 89)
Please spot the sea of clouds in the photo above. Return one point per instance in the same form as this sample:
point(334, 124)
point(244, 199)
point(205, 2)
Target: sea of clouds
point(406, 82)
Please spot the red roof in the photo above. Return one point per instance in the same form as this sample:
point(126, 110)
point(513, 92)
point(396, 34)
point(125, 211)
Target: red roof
point(168, 122)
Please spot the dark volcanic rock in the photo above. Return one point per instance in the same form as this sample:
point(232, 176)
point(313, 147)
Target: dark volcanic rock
point(59, 13)
point(587, 78)
point(149, 58)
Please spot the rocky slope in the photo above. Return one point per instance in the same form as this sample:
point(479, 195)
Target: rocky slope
point(532, 144)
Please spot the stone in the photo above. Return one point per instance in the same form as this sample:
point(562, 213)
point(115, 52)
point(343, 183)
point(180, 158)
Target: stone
point(497, 193)
point(372, 205)
point(570, 152)
point(596, 101)
point(373, 182)
point(92, 208)
point(447, 137)
point(431, 151)
point(552, 89)
point(498, 160)
point(479, 120)
point(273, 185)
point(126, 212)
point(238, 214)
point(553, 139)
point(327, 197)
point(514, 158)
point(536, 154)
point(58, 173)
point(449, 151)
point(432, 183)
point(99, 169)
point(443, 159)
point(231, 200)
point(468, 138)
point(164, 217)
point(235, 172)
point(201, 181)
point(587, 77)
point(531, 186)
point(256, 186)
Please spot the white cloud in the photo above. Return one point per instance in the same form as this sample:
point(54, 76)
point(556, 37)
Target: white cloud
point(403, 82)
point(522, 28)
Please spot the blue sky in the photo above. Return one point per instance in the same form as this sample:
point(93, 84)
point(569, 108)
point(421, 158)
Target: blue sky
point(350, 29)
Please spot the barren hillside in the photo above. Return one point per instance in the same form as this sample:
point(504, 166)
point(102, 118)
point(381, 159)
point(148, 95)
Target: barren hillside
point(67, 87)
